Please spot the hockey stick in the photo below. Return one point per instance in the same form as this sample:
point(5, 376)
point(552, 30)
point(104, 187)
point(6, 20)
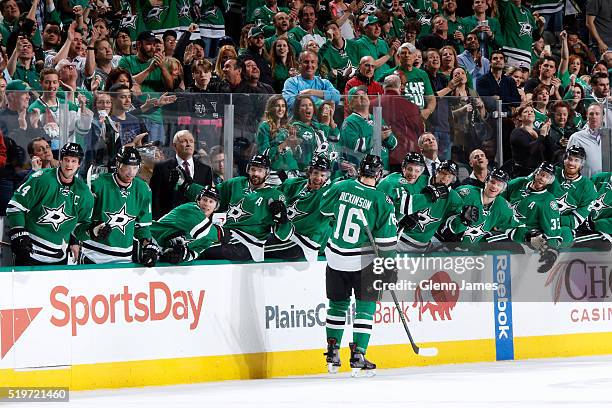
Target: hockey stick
point(425, 352)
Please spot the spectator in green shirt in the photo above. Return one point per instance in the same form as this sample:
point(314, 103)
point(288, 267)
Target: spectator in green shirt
point(21, 64)
point(370, 44)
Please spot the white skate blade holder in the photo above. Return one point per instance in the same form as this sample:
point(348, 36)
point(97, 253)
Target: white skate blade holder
point(361, 373)
point(332, 369)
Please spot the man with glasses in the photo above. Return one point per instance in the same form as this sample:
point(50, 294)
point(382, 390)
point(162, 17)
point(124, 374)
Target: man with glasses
point(364, 77)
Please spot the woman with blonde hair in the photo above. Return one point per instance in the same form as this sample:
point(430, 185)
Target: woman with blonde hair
point(283, 62)
point(175, 68)
point(273, 136)
point(226, 52)
point(448, 60)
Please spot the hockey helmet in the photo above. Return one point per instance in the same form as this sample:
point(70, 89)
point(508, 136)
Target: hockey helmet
point(260, 160)
point(128, 155)
point(413, 158)
point(371, 166)
point(547, 167)
point(210, 192)
point(450, 166)
point(498, 174)
point(575, 151)
point(320, 162)
point(73, 150)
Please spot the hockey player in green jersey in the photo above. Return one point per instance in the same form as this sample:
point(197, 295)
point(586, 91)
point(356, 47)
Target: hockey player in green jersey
point(186, 231)
point(574, 193)
point(121, 214)
point(45, 210)
point(254, 210)
point(494, 219)
point(303, 197)
point(357, 132)
point(429, 209)
point(537, 209)
point(596, 231)
point(401, 186)
point(350, 256)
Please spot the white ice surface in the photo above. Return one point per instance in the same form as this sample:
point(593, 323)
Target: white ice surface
point(574, 382)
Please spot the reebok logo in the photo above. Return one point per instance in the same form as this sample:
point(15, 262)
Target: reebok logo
point(13, 323)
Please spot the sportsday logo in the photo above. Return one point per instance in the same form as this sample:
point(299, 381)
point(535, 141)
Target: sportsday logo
point(158, 303)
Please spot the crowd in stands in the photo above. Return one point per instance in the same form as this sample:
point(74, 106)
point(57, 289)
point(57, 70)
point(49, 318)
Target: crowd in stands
point(303, 77)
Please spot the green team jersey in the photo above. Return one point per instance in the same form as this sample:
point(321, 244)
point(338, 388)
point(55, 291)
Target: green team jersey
point(281, 159)
point(338, 59)
point(418, 85)
point(295, 45)
point(497, 215)
point(263, 16)
point(400, 191)
point(356, 139)
point(314, 141)
point(297, 33)
point(152, 85)
point(212, 22)
point(303, 209)
point(50, 211)
point(188, 222)
point(535, 210)
point(601, 209)
point(349, 248)
point(424, 12)
point(602, 178)
point(573, 198)
point(128, 212)
point(158, 18)
point(471, 22)
point(540, 119)
point(518, 27)
point(363, 46)
point(248, 215)
point(430, 215)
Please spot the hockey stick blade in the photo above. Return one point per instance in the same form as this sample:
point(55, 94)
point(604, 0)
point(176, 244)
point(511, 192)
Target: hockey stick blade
point(428, 352)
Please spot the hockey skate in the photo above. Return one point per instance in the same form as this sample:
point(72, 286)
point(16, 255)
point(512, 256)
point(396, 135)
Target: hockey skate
point(332, 356)
point(360, 366)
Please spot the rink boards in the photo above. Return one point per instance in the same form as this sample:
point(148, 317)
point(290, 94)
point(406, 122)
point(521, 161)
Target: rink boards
point(99, 327)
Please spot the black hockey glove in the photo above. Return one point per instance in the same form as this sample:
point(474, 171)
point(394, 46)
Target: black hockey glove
point(149, 255)
point(537, 240)
point(99, 232)
point(279, 211)
point(436, 192)
point(409, 222)
point(469, 214)
point(547, 260)
point(224, 235)
point(21, 244)
point(587, 227)
point(174, 255)
point(179, 179)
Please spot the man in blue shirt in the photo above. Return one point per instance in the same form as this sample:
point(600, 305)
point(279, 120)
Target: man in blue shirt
point(307, 83)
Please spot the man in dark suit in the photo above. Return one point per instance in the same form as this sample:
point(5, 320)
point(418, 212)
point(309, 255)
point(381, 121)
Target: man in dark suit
point(165, 197)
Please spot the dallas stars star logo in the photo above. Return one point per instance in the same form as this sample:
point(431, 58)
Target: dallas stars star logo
point(599, 205)
point(563, 204)
point(526, 29)
point(184, 10)
point(293, 211)
point(129, 22)
point(119, 219)
point(236, 212)
point(155, 13)
point(55, 216)
point(517, 214)
point(425, 219)
point(474, 232)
